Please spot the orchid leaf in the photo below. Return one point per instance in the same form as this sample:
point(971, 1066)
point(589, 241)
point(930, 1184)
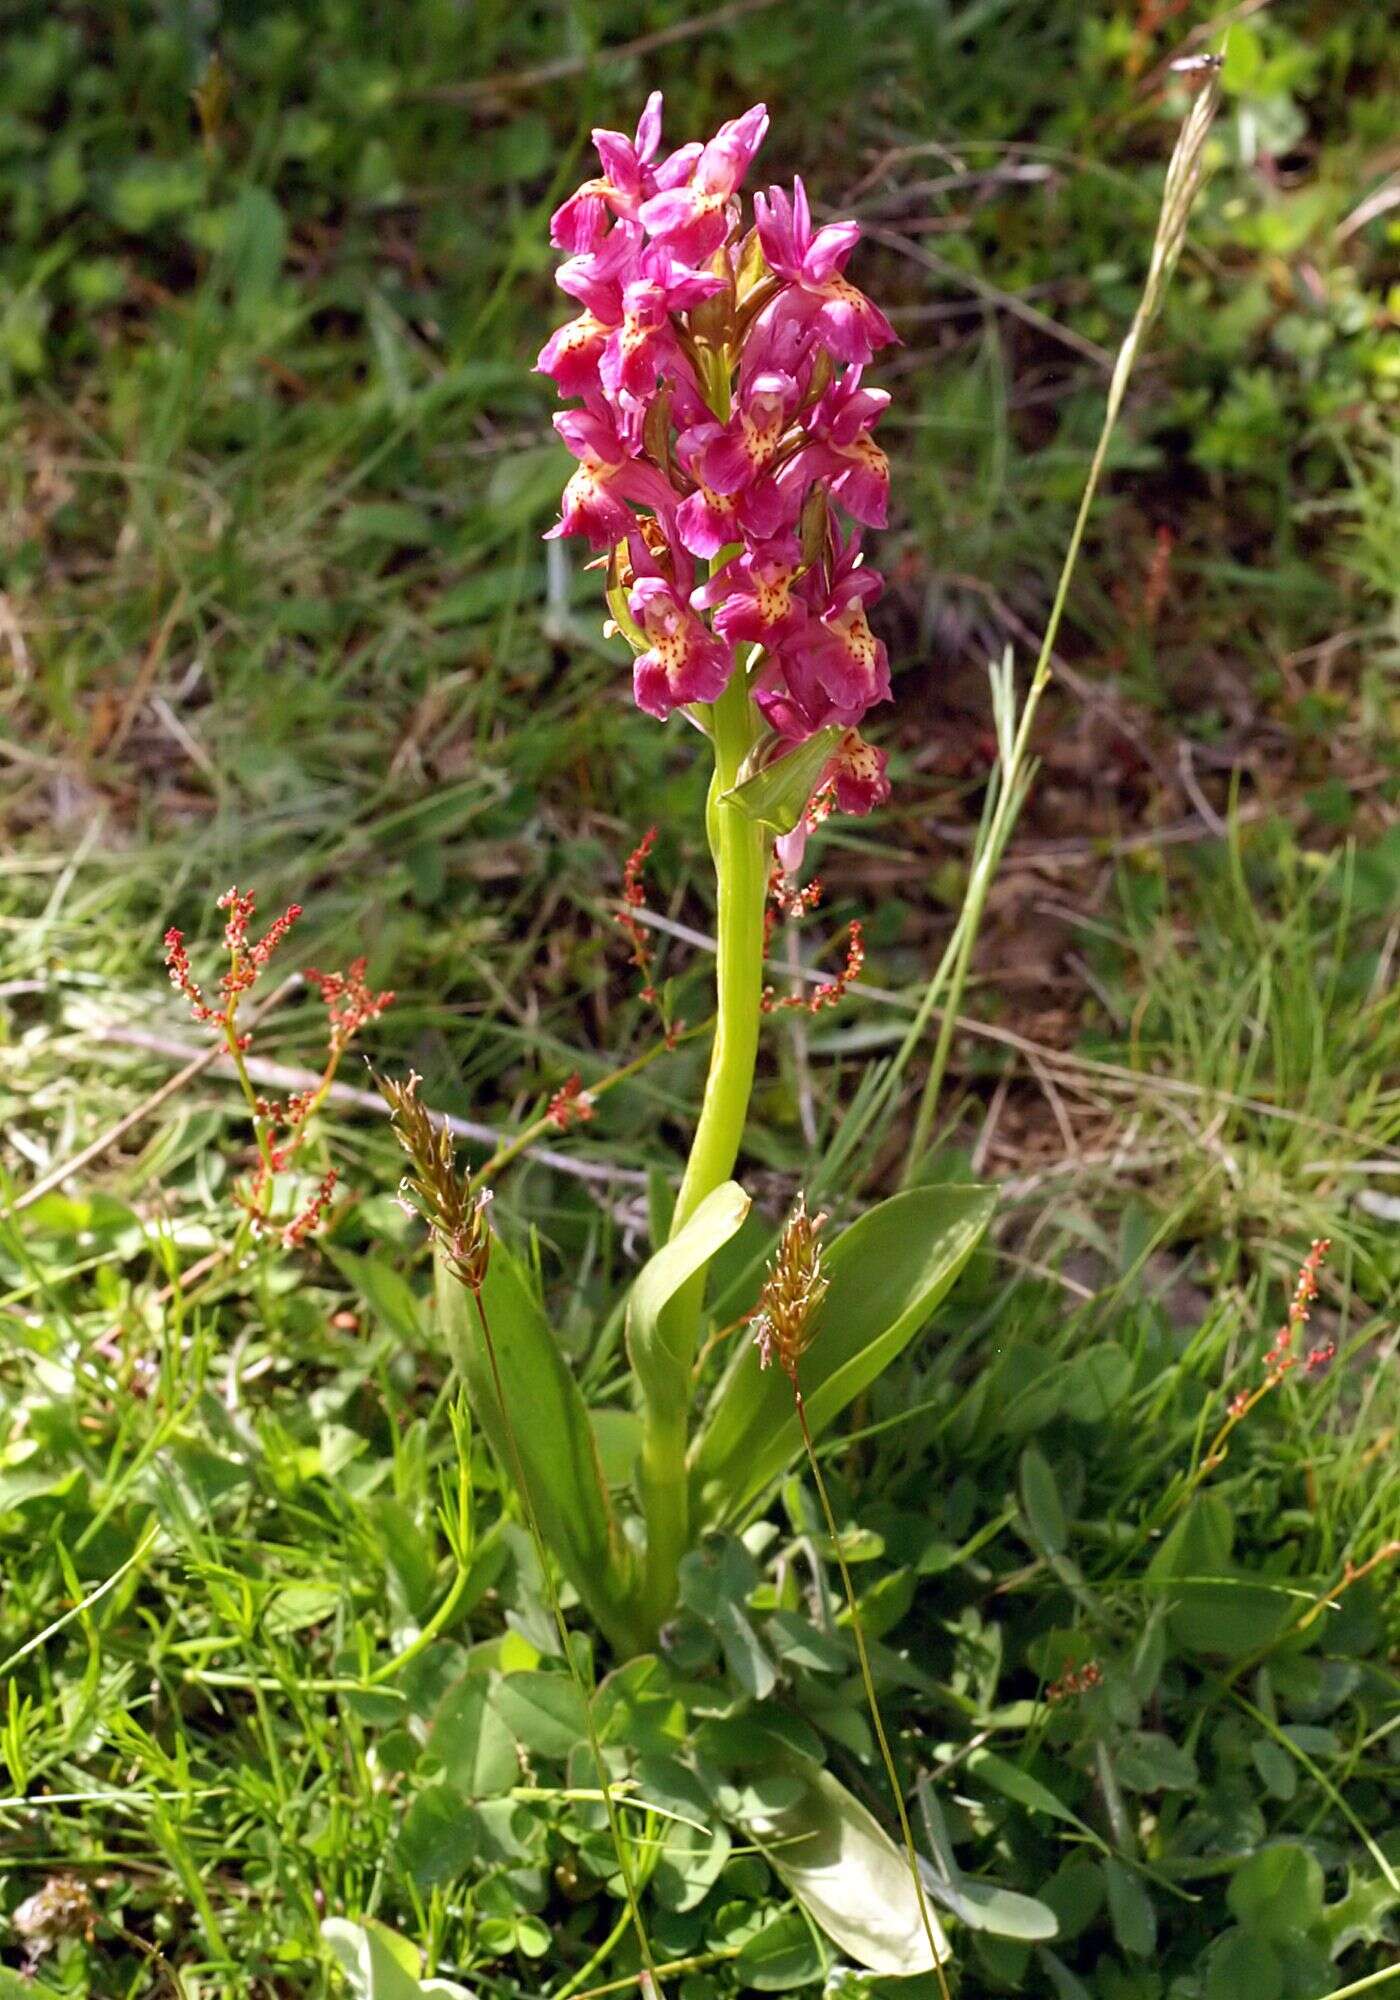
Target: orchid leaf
point(886, 1274)
point(379, 1965)
point(663, 1367)
point(776, 794)
point(846, 1872)
point(548, 1429)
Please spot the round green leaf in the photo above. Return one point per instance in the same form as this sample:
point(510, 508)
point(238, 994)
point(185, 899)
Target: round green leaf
point(1279, 1892)
point(783, 1954)
point(1243, 1967)
point(471, 1742)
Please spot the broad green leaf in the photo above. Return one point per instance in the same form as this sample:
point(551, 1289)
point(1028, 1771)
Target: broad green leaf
point(1130, 1909)
point(841, 1865)
point(983, 1906)
point(803, 1644)
point(776, 794)
point(1277, 1770)
point(618, 1434)
point(1068, 1985)
point(295, 1607)
point(1243, 1968)
point(884, 1605)
point(378, 1965)
point(438, 1837)
point(693, 1847)
point(663, 1367)
point(549, 1428)
point(1075, 1892)
point(1278, 1893)
point(1148, 1761)
point(783, 1954)
point(1040, 1496)
point(1214, 1608)
point(543, 1712)
point(886, 1274)
point(1014, 1783)
point(1095, 1382)
point(715, 1581)
point(472, 1743)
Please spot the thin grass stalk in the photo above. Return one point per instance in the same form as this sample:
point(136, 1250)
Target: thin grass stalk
point(1182, 184)
point(517, 1470)
point(871, 1699)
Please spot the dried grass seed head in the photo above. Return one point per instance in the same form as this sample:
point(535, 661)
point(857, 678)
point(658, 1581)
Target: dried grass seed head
point(442, 1195)
point(785, 1318)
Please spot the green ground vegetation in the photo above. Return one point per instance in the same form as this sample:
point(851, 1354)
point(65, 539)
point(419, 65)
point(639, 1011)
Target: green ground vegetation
point(274, 609)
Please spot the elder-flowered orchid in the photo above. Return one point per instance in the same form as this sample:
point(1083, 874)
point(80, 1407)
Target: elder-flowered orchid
point(842, 454)
point(608, 476)
point(731, 457)
point(755, 594)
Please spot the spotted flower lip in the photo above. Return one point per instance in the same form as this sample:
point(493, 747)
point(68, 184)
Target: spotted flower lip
point(596, 496)
point(692, 217)
point(755, 595)
point(684, 661)
point(573, 353)
point(709, 520)
point(642, 348)
point(729, 457)
point(725, 418)
point(813, 263)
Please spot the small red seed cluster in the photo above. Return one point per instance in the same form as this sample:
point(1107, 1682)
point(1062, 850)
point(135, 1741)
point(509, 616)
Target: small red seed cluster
point(349, 1001)
point(634, 897)
point(570, 1105)
point(788, 899)
point(1076, 1681)
point(1281, 1360)
point(831, 991)
point(280, 1129)
point(246, 961)
point(1280, 1357)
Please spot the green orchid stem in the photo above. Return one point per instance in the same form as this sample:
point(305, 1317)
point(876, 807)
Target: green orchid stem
point(740, 850)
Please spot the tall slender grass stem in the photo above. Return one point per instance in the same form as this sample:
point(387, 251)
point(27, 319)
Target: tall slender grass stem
point(872, 1701)
point(1182, 182)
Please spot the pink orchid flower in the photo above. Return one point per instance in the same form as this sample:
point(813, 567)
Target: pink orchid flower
point(595, 499)
point(684, 661)
point(813, 264)
point(627, 180)
point(692, 219)
point(755, 594)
